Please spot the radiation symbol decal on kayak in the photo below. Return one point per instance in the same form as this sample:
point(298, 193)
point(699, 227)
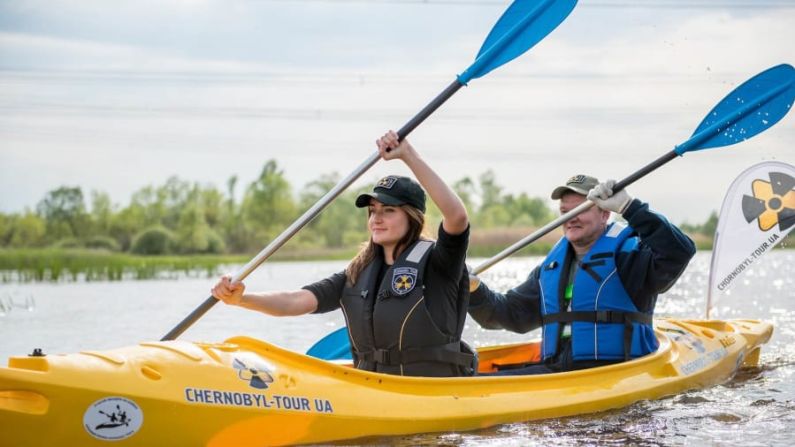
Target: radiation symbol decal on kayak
point(113, 418)
point(256, 374)
point(773, 202)
point(686, 338)
point(403, 280)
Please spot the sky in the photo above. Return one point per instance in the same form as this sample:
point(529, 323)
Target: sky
point(116, 95)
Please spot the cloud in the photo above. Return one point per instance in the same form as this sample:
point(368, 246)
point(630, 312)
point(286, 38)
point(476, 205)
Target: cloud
point(705, 41)
point(31, 51)
point(313, 84)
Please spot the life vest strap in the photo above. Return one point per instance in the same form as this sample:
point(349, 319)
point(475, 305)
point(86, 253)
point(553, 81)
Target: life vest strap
point(599, 316)
point(605, 316)
point(441, 354)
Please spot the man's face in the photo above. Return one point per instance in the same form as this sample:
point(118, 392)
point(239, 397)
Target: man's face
point(583, 230)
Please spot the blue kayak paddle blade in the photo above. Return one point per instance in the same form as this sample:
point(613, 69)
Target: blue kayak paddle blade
point(334, 346)
point(522, 25)
point(748, 110)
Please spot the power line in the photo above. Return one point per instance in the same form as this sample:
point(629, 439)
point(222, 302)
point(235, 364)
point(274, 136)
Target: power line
point(634, 4)
point(10, 76)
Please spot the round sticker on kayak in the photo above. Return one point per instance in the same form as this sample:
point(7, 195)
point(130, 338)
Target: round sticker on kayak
point(113, 418)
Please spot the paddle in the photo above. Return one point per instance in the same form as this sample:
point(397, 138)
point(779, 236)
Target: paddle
point(521, 26)
point(333, 346)
point(747, 111)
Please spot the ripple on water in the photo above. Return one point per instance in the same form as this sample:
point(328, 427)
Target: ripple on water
point(756, 408)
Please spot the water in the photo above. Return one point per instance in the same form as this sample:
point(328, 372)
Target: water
point(756, 408)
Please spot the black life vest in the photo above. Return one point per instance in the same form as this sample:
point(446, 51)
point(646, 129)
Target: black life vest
point(390, 328)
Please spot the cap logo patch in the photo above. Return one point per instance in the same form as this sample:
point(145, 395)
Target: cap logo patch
point(576, 179)
point(403, 280)
point(387, 182)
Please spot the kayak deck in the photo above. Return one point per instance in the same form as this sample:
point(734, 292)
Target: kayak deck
point(250, 392)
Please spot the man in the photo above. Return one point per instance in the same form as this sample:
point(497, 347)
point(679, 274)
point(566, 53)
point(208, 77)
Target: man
point(594, 294)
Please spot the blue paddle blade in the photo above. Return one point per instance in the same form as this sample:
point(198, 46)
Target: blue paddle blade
point(334, 346)
point(521, 26)
point(750, 109)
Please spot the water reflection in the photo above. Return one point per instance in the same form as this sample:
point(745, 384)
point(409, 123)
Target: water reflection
point(756, 408)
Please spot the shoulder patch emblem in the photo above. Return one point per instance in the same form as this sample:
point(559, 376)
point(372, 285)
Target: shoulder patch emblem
point(403, 280)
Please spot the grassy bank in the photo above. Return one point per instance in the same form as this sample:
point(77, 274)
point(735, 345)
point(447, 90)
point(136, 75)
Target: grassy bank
point(92, 265)
point(50, 264)
point(58, 264)
point(489, 242)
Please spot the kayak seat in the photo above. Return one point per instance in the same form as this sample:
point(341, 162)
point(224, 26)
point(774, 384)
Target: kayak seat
point(498, 358)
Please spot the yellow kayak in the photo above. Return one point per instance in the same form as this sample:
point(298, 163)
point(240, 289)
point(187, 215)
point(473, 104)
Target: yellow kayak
point(250, 393)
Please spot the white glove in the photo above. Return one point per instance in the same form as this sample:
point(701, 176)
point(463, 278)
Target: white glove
point(474, 281)
point(602, 196)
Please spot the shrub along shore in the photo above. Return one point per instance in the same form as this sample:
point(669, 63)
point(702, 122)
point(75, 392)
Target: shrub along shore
point(67, 264)
point(184, 227)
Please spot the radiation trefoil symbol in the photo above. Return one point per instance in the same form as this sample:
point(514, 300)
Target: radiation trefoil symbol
point(403, 280)
point(773, 202)
point(257, 377)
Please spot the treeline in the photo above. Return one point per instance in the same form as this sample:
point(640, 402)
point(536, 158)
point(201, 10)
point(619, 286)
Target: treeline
point(182, 217)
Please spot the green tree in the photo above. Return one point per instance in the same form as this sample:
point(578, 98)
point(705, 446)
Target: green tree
point(172, 197)
point(340, 222)
point(127, 223)
point(6, 228)
point(65, 213)
point(711, 225)
point(154, 240)
point(466, 190)
point(148, 206)
point(527, 211)
point(213, 204)
point(27, 230)
point(193, 234)
point(233, 228)
point(163, 204)
point(101, 212)
point(491, 212)
point(268, 206)
point(707, 228)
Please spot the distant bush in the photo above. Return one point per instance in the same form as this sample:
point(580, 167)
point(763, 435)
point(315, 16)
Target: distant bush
point(67, 242)
point(215, 243)
point(102, 243)
point(155, 240)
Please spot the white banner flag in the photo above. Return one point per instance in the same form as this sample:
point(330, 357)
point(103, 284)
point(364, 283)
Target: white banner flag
point(757, 213)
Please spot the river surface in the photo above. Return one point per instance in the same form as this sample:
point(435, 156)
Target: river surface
point(756, 408)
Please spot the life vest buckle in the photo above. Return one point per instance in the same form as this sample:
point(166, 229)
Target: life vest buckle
point(381, 356)
point(607, 316)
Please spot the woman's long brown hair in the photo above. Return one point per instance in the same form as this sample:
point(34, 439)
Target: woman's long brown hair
point(370, 249)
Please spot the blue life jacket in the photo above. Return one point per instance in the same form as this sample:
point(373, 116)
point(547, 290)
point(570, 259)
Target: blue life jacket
point(605, 324)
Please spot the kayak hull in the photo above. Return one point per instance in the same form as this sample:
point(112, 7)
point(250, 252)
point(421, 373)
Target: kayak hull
point(249, 392)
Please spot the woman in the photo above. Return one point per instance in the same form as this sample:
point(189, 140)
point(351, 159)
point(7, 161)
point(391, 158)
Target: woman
point(404, 297)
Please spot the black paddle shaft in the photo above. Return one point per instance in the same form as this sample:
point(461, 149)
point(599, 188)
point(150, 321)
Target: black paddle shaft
point(640, 173)
point(437, 102)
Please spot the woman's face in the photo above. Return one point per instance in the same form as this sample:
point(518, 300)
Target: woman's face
point(387, 224)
